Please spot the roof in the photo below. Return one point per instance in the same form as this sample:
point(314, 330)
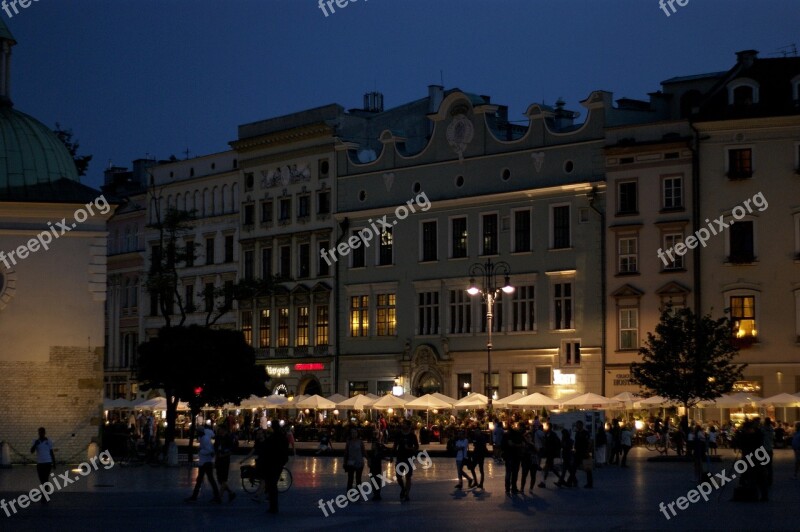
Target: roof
point(58, 191)
point(30, 153)
point(5, 33)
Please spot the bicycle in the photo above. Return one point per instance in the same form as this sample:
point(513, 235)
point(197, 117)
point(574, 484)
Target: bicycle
point(657, 442)
point(251, 482)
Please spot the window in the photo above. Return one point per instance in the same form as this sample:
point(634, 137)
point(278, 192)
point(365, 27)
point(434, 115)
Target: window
point(741, 242)
point(323, 202)
point(627, 249)
point(385, 388)
point(283, 327)
point(743, 317)
point(358, 253)
point(266, 263)
point(154, 307)
point(264, 328)
point(323, 268)
point(629, 328)
point(489, 234)
point(210, 250)
point(322, 325)
point(188, 297)
point(627, 202)
point(249, 215)
point(285, 269)
point(494, 386)
point(247, 326)
point(458, 231)
point(519, 383)
point(522, 231)
point(228, 248)
point(429, 243)
point(359, 316)
point(523, 309)
point(324, 167)
point(670, 241)
point(358, 388)
point(559, 221)
point(133, 298)
point(385, 247)
point(190, 253)
point(386, 315)
point(227, 289)
point(249, 264)
point(562, 306)
point(460, 312)
point(266, 212)
point(543, 375)
point(497, 314)
point(428, 313)
point(740, 163)
point(304, 260)
point(208, 297)
point(301, 327)
point(285, 210)
point(464, 384)
point(571, 352)
point(155, 258)
point(673, 192)
point(743, 92)
point(303, 206)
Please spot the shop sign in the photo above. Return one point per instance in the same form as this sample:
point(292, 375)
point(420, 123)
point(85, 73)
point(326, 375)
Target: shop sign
point(277, 371)
point(314, 366)
point(563, 378)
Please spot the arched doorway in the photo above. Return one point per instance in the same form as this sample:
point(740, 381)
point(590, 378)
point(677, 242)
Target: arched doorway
point(428, 382)
point(310, 386)
point(280, 388)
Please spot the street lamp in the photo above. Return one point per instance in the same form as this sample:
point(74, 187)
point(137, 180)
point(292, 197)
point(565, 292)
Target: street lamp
point(489, 273)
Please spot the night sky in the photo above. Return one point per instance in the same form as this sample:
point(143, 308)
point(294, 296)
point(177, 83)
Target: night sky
point(155, 77)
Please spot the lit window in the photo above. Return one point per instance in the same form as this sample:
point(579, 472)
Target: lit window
point(247, 326)
point(323, 325)
point(264, 328)
point(743, 317)
point(740, 163)
point(301, 327)
point(386, 315)
point(359, 316)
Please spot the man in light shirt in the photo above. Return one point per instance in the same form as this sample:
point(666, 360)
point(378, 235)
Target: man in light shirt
point(45, 456)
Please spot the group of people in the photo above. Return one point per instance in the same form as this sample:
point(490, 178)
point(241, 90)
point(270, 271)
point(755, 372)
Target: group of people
point(271, 449)
point(529, 449)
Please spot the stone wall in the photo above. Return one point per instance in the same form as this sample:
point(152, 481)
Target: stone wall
point(64, 395)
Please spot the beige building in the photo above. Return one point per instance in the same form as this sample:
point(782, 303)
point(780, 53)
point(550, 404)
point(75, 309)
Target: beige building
point(52, 286)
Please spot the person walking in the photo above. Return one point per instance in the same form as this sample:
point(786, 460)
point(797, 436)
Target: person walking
point(354, 454)
point(375, 459)
point(530, 462)
point(626, 441)
point(497, 441)
point(405, 447)
point(223, 449)
point(205, 458)
point(700, 450)
point(552, 450)
point(462, 456)
point(601, 445)
point(45, 456)
point(479, 453)
point(276, 454)
point(768, 433)
point(512, 446)
point(567, 462)
point(583, 454)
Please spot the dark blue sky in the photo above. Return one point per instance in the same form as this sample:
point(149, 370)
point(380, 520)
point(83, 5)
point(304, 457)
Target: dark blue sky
point(137, 77)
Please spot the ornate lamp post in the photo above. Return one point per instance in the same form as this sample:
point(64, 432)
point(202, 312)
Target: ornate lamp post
point(489, 272)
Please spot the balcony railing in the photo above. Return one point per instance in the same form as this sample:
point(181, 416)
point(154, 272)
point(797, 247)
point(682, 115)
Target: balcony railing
point(265, 353)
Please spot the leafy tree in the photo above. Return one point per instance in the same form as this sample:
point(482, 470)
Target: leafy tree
point(200, 365)
point(81, 161)
point(689, 358)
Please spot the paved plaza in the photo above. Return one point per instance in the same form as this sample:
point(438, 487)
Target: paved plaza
point(151, 498)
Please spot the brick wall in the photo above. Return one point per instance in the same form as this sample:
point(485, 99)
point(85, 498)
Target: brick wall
point(64, 395)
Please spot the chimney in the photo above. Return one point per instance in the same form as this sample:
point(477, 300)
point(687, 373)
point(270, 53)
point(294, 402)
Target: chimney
point(435, 97)
point(373, 102)
point(746, 58)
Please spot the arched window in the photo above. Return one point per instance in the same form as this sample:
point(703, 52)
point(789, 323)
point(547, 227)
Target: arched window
point(428, 383)
point(742, 92)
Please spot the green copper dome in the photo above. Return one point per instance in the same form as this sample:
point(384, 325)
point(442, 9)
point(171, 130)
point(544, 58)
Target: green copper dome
point(30, 153)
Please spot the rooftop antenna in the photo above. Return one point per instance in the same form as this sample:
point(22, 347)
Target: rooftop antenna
point(790, 50)
point(187, 153)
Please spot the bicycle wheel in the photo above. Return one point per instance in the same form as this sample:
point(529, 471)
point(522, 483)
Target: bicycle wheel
point(285, 480)
point(250, 485)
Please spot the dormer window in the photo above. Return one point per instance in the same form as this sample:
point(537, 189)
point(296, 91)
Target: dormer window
point(742, 92)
